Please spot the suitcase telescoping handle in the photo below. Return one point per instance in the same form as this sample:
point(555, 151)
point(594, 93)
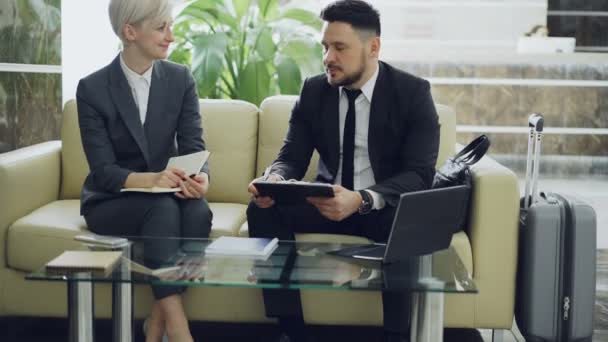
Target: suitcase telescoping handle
point(535, 123)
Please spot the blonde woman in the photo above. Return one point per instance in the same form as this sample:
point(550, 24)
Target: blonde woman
point(135, 114)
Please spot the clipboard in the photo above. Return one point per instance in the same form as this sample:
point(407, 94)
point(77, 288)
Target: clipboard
point(293, 192)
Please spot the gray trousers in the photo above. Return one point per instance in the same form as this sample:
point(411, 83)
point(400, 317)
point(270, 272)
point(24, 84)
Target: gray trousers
point(153, 215)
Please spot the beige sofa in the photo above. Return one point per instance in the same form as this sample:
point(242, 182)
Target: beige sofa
point(39, 215)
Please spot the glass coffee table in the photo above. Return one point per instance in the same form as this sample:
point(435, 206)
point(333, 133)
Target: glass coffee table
point(293, 265)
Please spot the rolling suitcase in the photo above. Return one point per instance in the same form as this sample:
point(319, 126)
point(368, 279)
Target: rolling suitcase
point(556, 268)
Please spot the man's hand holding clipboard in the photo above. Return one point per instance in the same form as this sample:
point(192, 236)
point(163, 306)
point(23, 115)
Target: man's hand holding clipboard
point(271, 188)
point(333, 201)
point(262, 201)
point(292, 192)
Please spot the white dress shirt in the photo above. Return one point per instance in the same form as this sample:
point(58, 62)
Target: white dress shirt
point(140, 87)
point(363, 175)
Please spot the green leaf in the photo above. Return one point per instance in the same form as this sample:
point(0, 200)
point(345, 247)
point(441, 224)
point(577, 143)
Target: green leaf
point(289, 75)
point(304, 17)
point(180, 55)
point(208, 61)
point(220, 5)
point(265, 46)
point(241, 6)
point(307, 54)
point(247, 49)
point(212, 12)
point(181, 27)
point(268, 8)
point(212, 6)
point(254, 85)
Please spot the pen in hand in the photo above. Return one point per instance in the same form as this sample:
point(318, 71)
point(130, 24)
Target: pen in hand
point(263, 200)
point(263, 178)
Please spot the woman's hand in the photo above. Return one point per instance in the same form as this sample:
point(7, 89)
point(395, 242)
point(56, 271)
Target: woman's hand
point(169, 178)
point(194, 187)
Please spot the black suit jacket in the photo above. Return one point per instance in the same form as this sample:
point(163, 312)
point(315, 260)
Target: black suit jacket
point(114, 140)
point(403, 136)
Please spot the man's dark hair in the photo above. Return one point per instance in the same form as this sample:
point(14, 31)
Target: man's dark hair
point(358, 13)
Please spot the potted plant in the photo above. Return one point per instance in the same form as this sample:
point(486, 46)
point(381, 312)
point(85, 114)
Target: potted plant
point(247, 49)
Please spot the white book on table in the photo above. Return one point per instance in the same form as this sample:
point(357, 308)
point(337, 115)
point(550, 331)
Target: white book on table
point(242, 246)
point(102, 240)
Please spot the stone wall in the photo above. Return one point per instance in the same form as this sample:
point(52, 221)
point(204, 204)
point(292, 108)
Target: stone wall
point(477, 103)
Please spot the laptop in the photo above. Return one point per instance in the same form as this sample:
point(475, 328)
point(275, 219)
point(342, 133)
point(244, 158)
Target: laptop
point(424, 222)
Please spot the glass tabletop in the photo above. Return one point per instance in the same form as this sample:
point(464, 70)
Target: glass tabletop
point(293, 265)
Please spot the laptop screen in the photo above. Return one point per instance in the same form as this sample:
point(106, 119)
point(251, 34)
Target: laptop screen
point(425, 221)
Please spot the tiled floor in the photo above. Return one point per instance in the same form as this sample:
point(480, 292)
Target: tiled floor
point(55, 330)
point(600, 336)
point(508, 336)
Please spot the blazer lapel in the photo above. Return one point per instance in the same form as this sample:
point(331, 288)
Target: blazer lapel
point(331, 123)
point(156, 101)
point(125, 104)
point(378, 117)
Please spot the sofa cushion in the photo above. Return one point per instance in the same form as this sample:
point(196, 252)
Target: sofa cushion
point(50, 230)
point(230, 130)
point(274, 119)
point(45, 233)
point(227, 218)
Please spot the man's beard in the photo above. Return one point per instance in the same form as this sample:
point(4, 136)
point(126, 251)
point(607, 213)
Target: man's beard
point(353, 77)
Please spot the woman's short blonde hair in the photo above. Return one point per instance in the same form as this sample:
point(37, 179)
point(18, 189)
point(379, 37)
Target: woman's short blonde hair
point(136, 11)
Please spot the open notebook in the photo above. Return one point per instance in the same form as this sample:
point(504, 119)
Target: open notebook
point(191, 163)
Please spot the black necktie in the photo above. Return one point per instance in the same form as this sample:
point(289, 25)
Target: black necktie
point(348, 141)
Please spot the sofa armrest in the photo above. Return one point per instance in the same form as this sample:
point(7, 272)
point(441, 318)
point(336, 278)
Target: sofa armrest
point(493, 232)
point(29, 178)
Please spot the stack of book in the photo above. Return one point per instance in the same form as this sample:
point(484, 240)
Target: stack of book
point(240, 246)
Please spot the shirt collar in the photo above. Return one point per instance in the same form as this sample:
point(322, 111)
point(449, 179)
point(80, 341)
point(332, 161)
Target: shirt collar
point(132, 76)
point(368, 88)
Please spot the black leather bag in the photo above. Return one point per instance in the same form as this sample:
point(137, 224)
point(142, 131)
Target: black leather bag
point(456, 170)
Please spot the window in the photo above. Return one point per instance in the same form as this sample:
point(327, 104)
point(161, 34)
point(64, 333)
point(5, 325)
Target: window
point(30, 72)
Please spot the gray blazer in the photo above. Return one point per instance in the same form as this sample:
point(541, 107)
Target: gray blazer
point(114, 140)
